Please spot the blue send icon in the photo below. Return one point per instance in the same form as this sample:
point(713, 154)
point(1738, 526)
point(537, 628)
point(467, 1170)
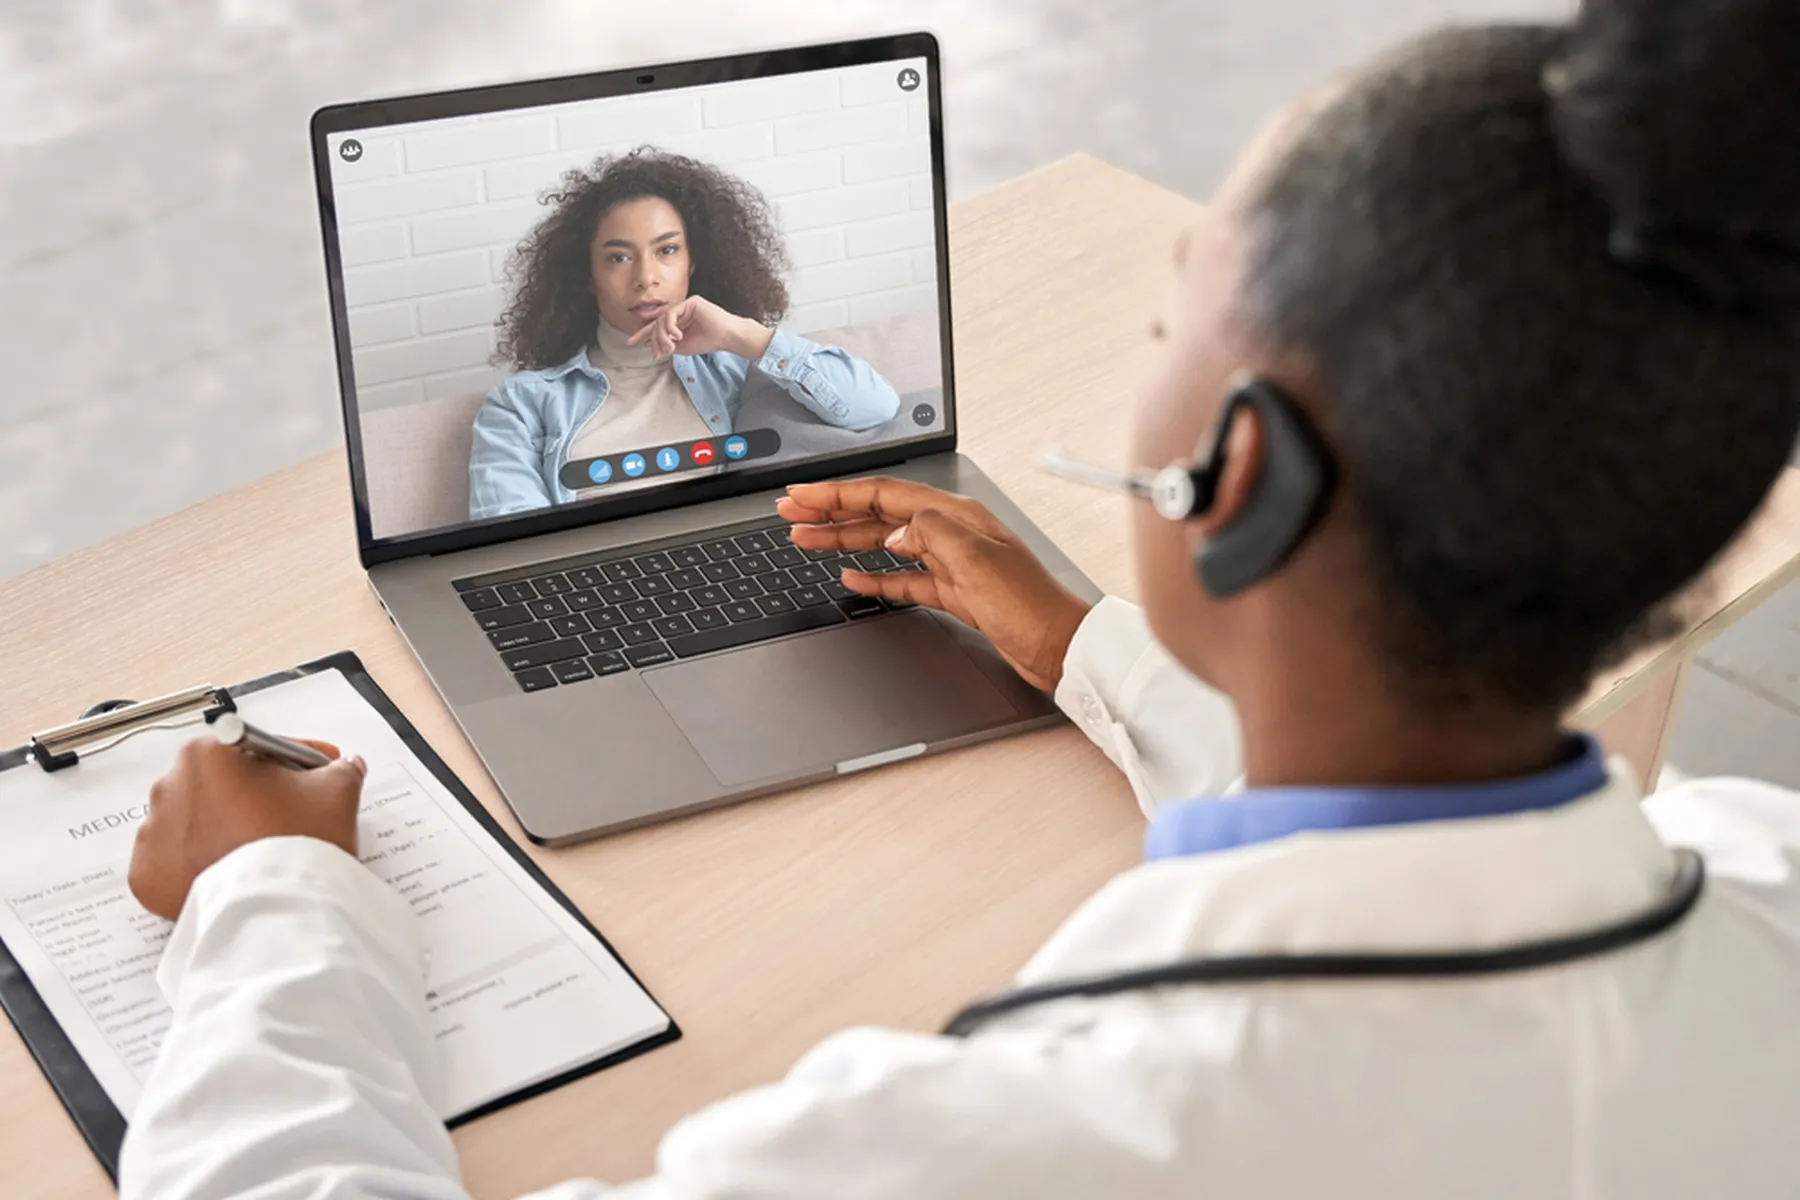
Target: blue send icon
point(599, 470)
point(736, 447)
point(667, 459)
point(634, 465)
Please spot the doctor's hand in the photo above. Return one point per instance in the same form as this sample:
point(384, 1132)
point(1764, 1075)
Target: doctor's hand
point(698, 326)
point(977, 569)
point(217, 798)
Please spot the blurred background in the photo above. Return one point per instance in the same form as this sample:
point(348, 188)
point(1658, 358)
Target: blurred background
point(162, 311)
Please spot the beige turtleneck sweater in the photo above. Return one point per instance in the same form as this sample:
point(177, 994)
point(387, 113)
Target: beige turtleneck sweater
point(645, 407)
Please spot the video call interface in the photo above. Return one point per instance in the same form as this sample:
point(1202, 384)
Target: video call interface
point(564, 303)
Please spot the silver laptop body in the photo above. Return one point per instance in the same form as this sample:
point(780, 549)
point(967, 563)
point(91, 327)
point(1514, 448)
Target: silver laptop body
point(623, 633)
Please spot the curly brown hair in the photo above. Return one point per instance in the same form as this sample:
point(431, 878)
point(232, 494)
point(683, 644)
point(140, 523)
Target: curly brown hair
point(734, 243)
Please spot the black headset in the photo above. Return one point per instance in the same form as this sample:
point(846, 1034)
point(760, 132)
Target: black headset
point(1289, 495)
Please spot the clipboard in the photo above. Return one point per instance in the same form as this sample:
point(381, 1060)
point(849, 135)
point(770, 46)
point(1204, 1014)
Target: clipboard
point(100, 1122)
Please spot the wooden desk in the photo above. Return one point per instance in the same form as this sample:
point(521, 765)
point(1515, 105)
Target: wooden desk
point(888, 898)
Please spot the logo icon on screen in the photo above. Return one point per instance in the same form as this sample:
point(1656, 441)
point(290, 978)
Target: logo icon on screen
point(599, 470)
point(908, 80)
point(702, 452)
point(634, 465)
point(350, 150)
point(667, 459)
point(736, 447)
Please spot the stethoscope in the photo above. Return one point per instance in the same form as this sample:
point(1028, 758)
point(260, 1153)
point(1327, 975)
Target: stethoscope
point(1684, 892)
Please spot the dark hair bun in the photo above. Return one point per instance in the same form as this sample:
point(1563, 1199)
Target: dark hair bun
point(1684, 115)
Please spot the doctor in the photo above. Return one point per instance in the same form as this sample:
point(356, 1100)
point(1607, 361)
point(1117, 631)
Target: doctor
point(1494, 346)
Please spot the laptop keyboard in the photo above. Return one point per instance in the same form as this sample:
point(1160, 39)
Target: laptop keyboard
point(575, 620)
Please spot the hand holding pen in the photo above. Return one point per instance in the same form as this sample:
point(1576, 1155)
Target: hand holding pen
point(233, 787)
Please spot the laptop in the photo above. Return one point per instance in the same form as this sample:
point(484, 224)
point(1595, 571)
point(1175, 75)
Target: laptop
point(574, 531)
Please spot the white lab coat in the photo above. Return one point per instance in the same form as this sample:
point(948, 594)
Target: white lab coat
point(298, 1064)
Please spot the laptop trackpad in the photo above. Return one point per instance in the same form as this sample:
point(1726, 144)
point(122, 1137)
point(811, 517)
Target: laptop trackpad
point(788, 708)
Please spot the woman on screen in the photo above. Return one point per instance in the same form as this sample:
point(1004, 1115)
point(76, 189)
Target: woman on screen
point(643, 300)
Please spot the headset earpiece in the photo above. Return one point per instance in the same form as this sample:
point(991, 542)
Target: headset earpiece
point(1287, 498)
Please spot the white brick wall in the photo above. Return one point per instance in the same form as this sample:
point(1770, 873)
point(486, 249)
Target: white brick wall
point(428, 214)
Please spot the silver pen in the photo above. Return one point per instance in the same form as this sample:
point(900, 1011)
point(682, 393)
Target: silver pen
point(233, 730)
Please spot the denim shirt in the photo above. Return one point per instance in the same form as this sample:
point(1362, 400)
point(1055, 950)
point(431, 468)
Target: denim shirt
point(528, 420)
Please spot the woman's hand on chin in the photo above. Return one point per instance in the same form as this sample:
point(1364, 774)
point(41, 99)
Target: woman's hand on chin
point(976, 569)
point(698, 326)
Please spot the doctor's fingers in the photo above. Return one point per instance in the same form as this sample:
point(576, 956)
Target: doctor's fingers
point(847, 535)
point(949, 546)
point(908, 587)
point(891, 500)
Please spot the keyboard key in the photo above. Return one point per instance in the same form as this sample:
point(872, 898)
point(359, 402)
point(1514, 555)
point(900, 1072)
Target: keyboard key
point(618, 593)
point(619, 572)
point(515, 593)
point(586, 577)
point(572, 670)
point(861, 606)
point(719, 572)
point(899, 605)
point(810, 573)
point(535, 680)
point(678, 603)
point(482, 598)
point(776, 581)
point(911, 564)
point(786, 556)
point(743, 589)
point(582, 601)
point(708, 618)
point(741, 610)
point(687, 580)
point(711, 596)
point(760, 629)
point(836, 590)
point(500, 618)
point(874, 560)
point(809, 597)
point(720, 550)
point(688, 556)
point(602, 640)
point(775, 605)
point(551, 607)
point(570, 626)
point(538, 656)
point(672, 626)
point(816, 555)
point(522, 635)
point(652, 586)
point(751, 543)
point(610, 662)
point(753, 564)
point(649, 656)
point(655, 564)
point(605, 618)
point(552, 585)
point(637, 635)
point(640, 610)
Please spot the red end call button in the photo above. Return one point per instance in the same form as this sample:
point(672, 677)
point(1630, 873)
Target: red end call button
point(703, 452)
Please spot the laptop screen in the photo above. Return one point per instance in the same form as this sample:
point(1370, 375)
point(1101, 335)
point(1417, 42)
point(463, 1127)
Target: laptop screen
point(567, 303)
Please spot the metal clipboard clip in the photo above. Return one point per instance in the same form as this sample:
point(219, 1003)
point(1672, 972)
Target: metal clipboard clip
point(112, 721)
